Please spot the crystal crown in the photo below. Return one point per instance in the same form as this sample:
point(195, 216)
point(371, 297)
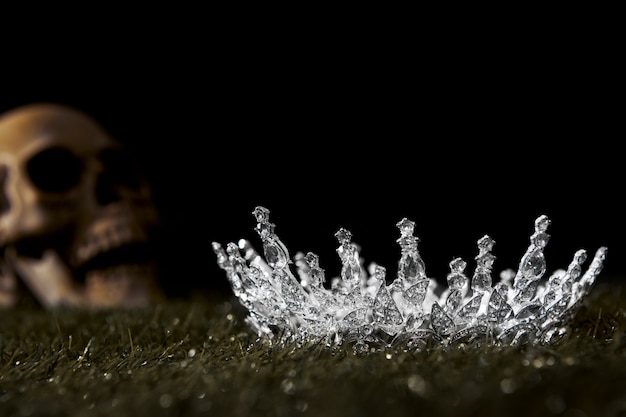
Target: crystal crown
point(361, 307)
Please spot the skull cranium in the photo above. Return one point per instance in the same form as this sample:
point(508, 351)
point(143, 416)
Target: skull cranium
point(76, 215)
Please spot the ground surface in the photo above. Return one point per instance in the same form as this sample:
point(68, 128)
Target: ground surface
point(198, 357)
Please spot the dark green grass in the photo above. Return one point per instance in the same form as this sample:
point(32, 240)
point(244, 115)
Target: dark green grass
point(198, 357)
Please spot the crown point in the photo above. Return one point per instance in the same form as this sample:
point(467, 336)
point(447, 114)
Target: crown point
point(312, 259)
point(541, 223)
point(406, 227)
point(343, 236)
point(261, 213)
point(580, 256)
point(457, 265)
point(486, 243)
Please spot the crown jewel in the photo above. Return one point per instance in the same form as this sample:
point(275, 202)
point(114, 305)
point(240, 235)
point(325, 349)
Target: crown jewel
point(362, 307)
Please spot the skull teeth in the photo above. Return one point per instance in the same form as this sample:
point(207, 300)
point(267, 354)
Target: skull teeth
point(120, 272)
point(109, 239)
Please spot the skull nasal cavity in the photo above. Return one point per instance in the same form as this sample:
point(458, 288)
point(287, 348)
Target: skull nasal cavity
point(119, 173)
point(106, 191)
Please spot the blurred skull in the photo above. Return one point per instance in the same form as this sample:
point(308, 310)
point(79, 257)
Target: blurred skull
point(76, 214)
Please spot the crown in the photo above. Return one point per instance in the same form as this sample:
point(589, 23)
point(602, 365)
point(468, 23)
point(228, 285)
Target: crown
point(288, 300)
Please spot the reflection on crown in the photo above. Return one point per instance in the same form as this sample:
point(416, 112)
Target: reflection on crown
point(361, 307)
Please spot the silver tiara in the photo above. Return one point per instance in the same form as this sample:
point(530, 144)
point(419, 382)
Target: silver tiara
point(288, 300)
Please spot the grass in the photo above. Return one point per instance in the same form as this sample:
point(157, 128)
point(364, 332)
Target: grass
point(198, 357)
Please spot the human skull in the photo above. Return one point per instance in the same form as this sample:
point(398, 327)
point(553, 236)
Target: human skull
point(76, 215)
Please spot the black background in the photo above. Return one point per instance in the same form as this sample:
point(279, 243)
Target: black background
point(465, 137)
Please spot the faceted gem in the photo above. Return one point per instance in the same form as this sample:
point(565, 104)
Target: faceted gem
point(456, 281)
point(274, 254)
point(385, 310)
point(416, 293)
point(469, 310)
point(441, 322)
point(534, 265)
point(498, 310)
point(486, 260)
point(411, 267)
point(454, 300)
point(540, 239)
point(481, 281)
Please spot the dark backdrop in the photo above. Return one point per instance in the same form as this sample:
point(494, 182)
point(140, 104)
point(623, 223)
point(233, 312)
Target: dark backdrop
point(463, 148)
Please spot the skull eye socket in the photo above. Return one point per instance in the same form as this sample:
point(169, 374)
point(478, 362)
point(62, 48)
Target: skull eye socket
point(120, 168)
point(4, 201)
point(55, 170)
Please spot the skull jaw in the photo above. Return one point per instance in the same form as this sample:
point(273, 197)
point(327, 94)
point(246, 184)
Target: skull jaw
point(128, 286)
point(53, 284)
point(9, 289)
point(47, 278)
